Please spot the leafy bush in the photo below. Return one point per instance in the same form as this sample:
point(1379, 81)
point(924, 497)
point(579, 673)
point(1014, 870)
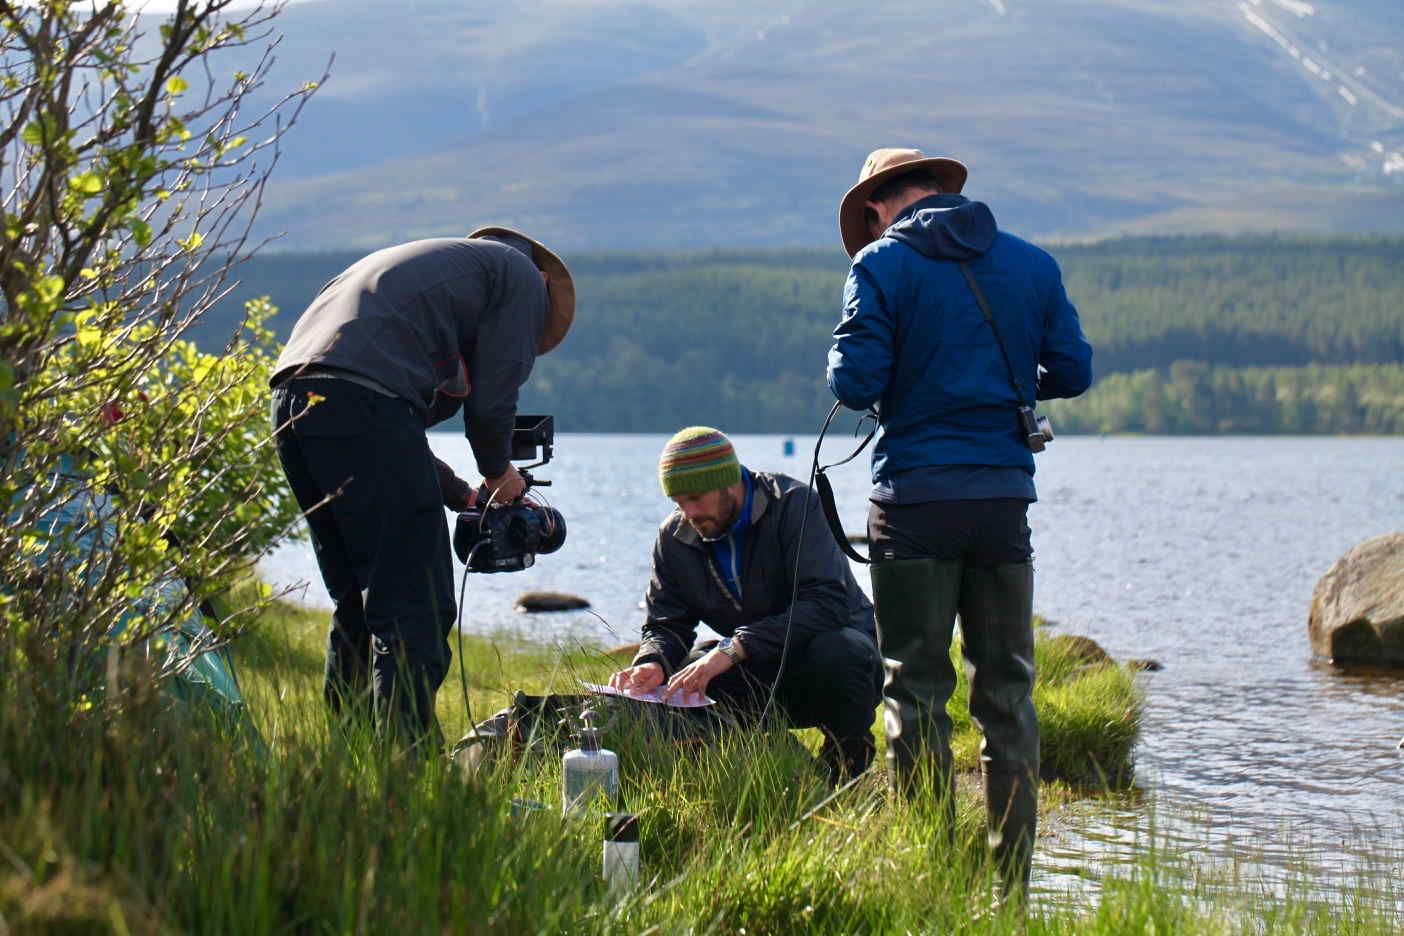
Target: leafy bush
point(135, 477)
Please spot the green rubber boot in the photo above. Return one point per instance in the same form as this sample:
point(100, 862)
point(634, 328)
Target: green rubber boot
point(916, 601)
point(996, 623)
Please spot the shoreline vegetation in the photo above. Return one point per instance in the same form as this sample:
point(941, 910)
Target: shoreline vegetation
point(147, 819)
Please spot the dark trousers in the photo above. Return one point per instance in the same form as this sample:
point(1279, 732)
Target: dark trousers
point(360, 467)
point(833, 682)
point(931, 562)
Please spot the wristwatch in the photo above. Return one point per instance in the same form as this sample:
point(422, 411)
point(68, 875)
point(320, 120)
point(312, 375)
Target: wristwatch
point(731, 648)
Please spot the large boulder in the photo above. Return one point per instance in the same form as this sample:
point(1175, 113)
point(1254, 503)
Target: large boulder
point(1357, 610)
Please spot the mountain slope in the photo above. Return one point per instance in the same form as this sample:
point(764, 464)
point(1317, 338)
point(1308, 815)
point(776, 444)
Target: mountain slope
point(679, 123)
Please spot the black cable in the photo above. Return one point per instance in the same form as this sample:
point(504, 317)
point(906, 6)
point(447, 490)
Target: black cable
point(458, 625)
point(794, 592)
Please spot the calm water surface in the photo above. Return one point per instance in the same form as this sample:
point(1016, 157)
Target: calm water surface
point(1200, 553)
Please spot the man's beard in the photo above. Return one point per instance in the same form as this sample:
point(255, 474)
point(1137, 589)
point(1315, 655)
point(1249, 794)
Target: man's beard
point(716, 527)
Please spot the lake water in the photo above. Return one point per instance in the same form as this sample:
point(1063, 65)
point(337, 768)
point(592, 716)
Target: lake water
point(1200, 553)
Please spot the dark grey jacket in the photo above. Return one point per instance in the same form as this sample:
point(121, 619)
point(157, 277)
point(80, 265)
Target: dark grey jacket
point(687, 587)
point(441, 323)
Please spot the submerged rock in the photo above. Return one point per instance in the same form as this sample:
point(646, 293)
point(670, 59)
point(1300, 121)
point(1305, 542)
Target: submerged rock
point(531, 602)
point(1357, 609)
point(1091, 653)
point(1082, 648)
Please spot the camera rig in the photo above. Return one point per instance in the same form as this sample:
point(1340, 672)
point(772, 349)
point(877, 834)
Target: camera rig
point(506, 537)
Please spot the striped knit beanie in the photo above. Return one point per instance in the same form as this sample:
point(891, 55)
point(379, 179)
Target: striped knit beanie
point(697, 459)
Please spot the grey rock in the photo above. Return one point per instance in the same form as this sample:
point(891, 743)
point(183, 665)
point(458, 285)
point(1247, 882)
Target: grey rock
point(1092, 654)
point(550, 601)
point(1081, 648)
point(1357, 609)
point(624, 651)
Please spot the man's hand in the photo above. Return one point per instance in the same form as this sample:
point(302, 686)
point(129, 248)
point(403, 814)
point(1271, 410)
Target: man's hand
point(695, 677)
point(642, 678)
point(507, 486)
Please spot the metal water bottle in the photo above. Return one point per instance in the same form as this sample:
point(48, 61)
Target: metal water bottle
point(621, 851)
point(589, 772)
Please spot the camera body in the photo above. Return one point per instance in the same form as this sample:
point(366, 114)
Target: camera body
point(1037, 430)
point(507, 538)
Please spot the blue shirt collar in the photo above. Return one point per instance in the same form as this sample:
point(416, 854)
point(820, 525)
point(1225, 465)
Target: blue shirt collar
point(743, 516)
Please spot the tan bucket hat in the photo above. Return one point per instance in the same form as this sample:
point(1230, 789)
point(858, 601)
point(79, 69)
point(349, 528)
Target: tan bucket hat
point(881, 165)
point(560, 312)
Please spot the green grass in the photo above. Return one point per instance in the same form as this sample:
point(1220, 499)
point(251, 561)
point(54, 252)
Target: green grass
point(130, 817)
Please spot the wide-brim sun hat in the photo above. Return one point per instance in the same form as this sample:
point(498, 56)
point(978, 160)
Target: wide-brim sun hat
point(884, 164)
point(560, 311)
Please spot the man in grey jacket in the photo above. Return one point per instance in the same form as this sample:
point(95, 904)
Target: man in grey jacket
point(398, 342)
point(730, 556)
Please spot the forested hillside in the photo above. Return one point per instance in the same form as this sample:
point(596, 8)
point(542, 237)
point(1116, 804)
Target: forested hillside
point(1202, 334)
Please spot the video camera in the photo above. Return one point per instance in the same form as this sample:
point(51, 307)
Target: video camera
point(506, 538)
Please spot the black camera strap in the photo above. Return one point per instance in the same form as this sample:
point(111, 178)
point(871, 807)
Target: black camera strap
point(826, 490)
point(999, 338)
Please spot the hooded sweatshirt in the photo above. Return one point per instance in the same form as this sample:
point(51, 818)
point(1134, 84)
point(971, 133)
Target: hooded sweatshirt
point(913, 342)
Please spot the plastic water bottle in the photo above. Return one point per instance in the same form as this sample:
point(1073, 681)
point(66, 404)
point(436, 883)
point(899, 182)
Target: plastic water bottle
point(589, 772)
point(621, 851)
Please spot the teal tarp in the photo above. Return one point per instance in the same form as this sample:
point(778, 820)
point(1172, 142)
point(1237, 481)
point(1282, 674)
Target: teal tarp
point(78, 531)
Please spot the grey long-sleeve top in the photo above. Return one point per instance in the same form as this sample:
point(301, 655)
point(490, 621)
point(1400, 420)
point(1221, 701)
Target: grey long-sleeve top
point(440, 323)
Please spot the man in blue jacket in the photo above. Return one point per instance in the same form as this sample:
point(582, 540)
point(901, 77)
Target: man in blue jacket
point(953, 468)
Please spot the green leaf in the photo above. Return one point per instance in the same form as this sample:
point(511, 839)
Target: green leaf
point(176, 85)
point(33, 133)
point(141, 231)
point(48, 288)
point(86, 183)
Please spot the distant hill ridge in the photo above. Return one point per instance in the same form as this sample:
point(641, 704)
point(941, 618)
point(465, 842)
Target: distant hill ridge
point(690, 123)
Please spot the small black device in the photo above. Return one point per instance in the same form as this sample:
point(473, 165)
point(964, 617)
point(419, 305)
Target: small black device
point(1038, 431)
point(507, 538)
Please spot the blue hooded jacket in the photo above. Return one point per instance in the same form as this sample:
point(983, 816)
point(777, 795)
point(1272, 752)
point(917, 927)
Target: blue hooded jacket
point(913, 341)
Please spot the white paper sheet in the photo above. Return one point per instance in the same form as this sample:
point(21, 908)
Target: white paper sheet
point(676, 700)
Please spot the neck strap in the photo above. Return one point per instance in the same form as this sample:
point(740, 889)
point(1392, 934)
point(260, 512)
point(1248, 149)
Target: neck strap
point(999, 339)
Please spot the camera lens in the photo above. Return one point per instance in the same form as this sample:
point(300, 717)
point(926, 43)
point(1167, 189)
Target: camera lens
point(554, 530)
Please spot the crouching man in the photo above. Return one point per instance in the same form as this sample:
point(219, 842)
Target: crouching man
point(730, 556)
